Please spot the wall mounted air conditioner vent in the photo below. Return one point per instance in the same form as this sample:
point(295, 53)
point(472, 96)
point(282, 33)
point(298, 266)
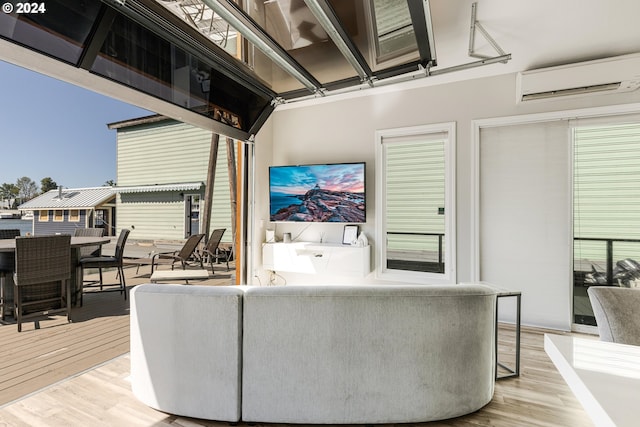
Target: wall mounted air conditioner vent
point(610, 75)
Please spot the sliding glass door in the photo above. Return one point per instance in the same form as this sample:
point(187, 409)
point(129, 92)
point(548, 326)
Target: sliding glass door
point(606, 209)
point(559, 211)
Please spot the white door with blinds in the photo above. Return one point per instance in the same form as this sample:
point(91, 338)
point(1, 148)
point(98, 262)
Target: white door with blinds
point(524, 217)
point(415, 203)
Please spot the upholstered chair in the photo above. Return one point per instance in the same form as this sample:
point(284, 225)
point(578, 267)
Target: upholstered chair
point(616, 313)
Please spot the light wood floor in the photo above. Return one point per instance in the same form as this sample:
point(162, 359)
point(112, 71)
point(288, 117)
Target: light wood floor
point(102, 396)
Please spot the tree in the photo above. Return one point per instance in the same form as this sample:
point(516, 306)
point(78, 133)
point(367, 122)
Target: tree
point(110, 183)
point(47, 184)
point(8, 191)
point(27, 189)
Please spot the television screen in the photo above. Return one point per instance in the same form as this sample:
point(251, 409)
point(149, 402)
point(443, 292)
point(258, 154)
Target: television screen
point(318, 193)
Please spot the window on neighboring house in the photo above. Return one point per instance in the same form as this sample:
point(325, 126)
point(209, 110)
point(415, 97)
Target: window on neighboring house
point(74, 215)
point(415, 203)
point(58, 215)
point(43, 215)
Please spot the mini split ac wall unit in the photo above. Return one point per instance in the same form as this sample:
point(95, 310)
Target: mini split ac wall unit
point(609, 75)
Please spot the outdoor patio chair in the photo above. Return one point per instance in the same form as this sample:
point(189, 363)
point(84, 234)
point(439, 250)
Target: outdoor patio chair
point(7, 263)
point(103, 261)
point(615, 310)
point(182, 256)
point(212, 250)
point(42, 273)
point(90, 251)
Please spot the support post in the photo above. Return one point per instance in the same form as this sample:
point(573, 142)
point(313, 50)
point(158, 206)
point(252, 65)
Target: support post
point(233, 187)
point(211, 179)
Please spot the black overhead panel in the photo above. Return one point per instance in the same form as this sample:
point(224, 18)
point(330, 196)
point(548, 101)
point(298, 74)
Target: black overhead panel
point(61, 30)
point(232, 61)
point(338, 43)
point(158, 55)
point(135, 56)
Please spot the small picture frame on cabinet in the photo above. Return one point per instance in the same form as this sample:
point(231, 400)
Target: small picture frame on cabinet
point(350, 234)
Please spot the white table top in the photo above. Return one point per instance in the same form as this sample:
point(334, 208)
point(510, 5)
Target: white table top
point(605, 377)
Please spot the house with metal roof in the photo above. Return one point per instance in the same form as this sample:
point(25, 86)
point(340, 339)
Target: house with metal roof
point(162, 167)
point(65, 209)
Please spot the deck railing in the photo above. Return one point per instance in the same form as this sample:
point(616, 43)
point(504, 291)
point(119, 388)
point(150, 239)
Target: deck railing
point(609, 251)
point(440, 236)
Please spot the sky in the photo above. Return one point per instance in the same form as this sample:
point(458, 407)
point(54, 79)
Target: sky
point(49, 128)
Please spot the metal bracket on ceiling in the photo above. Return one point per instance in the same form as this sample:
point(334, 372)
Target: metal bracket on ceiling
point(426, 69)
point(368, 81)
point(320, 92)
point(475, 25)
point(371, 81)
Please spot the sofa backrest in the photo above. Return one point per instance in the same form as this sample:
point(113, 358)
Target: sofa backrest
point(367, 354)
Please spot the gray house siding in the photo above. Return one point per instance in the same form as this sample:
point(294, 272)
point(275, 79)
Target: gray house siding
point(63, 227)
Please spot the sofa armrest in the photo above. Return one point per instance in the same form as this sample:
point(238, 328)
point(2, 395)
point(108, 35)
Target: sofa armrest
point(186, 349)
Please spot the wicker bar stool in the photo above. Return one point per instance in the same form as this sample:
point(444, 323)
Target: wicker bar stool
point(41, 278)
point(7, 264)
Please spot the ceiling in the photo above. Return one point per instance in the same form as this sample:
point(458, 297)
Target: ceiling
point(99, 41)
point(537, 34)
point(303, 48)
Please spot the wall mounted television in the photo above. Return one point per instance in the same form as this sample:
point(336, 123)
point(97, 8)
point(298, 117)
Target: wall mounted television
point(318, 193)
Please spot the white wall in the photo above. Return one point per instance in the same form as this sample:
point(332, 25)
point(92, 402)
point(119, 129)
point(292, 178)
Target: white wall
point(342, 129)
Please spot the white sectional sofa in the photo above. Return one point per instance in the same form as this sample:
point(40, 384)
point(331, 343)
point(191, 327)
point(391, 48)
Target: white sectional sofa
point(314, 354)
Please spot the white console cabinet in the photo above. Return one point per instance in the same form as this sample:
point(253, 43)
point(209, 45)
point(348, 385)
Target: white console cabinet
point(317, 258)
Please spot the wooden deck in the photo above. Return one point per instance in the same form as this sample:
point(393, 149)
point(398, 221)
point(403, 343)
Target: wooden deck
point(52, 365)
point(36, 358)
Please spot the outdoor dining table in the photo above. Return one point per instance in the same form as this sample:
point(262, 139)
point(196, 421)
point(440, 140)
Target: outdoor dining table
point(7, 253)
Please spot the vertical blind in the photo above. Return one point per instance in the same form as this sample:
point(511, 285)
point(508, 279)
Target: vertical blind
point(524, 217)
